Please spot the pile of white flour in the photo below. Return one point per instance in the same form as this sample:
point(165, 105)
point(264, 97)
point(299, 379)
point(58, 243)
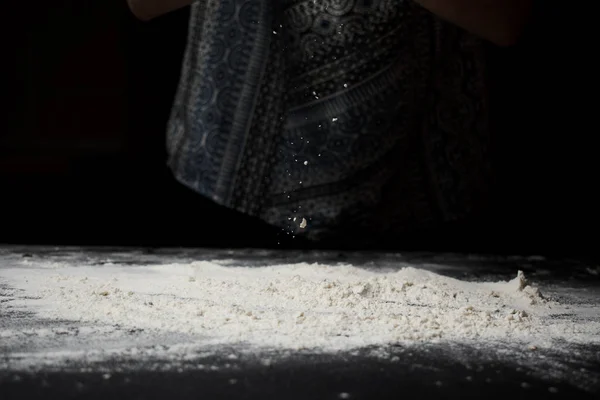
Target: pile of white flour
point(300, 306)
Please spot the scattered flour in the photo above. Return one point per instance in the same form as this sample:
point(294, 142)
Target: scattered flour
point(300, 306)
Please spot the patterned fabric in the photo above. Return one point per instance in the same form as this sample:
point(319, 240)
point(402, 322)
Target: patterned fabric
point(364, 117)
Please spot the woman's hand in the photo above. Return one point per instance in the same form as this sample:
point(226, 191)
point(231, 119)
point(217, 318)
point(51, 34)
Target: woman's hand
point(499, 21)
point(149, 9)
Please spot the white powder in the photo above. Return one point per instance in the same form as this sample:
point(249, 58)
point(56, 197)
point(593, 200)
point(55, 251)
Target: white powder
point(218, 316)
point(300, 306)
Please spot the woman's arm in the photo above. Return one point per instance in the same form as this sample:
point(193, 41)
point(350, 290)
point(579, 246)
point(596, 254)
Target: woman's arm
point(499, 21)
point(148, 9)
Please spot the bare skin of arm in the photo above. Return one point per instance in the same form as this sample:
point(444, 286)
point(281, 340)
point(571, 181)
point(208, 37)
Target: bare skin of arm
point(146, 10)
point(499, 21)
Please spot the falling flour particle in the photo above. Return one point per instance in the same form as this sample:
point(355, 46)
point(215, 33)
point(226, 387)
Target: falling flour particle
point(314, 307)
point(303, 223)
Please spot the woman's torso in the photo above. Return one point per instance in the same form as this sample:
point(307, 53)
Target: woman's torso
point(364, 118)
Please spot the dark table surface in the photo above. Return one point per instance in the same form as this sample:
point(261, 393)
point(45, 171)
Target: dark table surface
point(429, 371)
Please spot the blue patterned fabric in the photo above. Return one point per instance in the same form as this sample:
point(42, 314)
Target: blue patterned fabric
point(364, 117)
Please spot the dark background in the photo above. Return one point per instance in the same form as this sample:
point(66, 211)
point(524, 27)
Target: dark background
point(87, 92)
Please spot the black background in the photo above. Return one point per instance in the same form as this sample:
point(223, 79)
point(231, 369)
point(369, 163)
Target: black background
point(87, 92)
